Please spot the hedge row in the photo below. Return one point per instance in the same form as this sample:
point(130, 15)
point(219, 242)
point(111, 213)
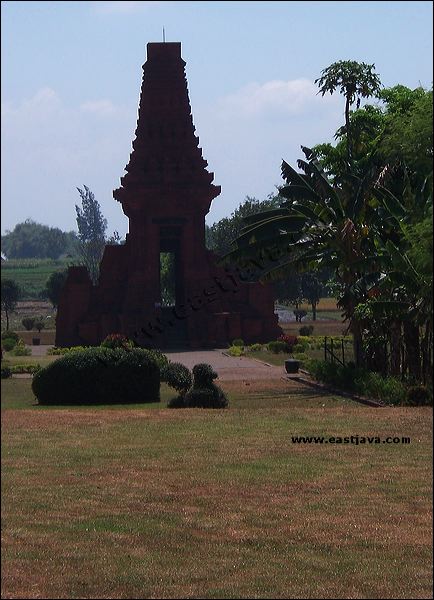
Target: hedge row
point(99, 376)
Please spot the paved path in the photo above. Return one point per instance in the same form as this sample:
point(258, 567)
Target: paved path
point(39, 350)
point(229, 368)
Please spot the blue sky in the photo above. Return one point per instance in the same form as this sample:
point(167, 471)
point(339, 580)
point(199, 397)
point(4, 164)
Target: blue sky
point(71, 76)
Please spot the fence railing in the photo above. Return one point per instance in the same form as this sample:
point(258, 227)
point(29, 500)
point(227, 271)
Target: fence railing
point(331, 350)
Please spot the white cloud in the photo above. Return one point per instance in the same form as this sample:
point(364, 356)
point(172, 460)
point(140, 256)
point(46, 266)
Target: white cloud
point(245, 135)
point(292, 97)
point(102, 108)
point(48, 149)
point(125, 7)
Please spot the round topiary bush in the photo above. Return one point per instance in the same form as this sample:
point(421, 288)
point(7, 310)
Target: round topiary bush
point(306, 330)
point(178, 377)
point(238, 342)
point(277, 346)
point(204, 393)
point(99, 376)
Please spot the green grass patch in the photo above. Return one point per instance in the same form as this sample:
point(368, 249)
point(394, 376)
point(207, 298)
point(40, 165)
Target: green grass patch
point(215, 504)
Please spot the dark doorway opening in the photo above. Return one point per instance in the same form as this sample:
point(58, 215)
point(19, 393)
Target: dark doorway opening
point(167, 279)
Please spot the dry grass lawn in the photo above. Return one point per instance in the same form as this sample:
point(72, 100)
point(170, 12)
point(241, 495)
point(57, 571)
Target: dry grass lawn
point(147, 502)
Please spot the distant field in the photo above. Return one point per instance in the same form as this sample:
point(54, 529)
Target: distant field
point(31, 274)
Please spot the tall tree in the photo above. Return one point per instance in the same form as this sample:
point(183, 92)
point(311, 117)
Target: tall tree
point(355, 81)
point(34, 240)
point(10, 294)
point(91, 232)
point(54, 286)
point(220, 235)
point(312, 289)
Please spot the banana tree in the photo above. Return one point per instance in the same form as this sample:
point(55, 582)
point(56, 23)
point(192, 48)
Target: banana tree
point(323, 225)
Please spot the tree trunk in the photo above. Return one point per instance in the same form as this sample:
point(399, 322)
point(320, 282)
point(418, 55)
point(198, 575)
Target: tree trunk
point(313, 311)
point(426, 345)
point(7, 319)
point(359, 357)
point(347, 123)
point(412, 346)
point(395, 349)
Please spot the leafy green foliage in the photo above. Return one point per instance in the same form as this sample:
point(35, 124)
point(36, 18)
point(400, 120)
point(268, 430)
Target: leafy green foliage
point(10, 294)
point(28, 369)
point(355, 81)
point(277, 346)
point(255, 347)
point(91, 232)
point(177, 376)
point(204, 393)
point(235, 351)
point(54, 286)
point(54, 351)
point(306, 330)
point(20, 349)
point(238, 342)
point(290, 342)
point(6, 372)
point(39, 324)
point(10, 335)
point(28, 323)
point(167, 278)
point(418, 395)
point(117, 340)
point(99, 376)
point(220, 235)
point(8, 344)
point(358, 380)
point(34, 240)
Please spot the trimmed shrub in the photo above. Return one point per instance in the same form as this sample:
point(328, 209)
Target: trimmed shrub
point(277, 346)
point(204, 393)
point(54, 351)
point(418, 395)
point(178, 377)
point(30, 369)
point(235, 351)
point(177, 402)
point(21, 349)
point(238, 342)
point(39, 324)
point(28, 323)
point(99, 376)
point(301, 356)
point(160, 358)
point(117, 340)
point(6, 372)
point(306, 330)
point(8, 344)
point(300, 347)
point(255, 348)
point(290, 341)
